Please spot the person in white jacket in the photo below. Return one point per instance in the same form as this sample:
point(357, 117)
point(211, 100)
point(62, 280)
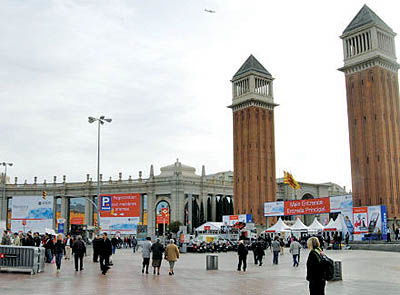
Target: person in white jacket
point(295, 249)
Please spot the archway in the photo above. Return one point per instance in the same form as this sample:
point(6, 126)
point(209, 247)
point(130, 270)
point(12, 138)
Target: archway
point(163, 215)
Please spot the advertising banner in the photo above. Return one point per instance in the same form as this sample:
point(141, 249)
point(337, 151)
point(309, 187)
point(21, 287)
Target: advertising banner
point(348, 219)
point(360, 219)
point(120, 213)
point(32, 214)
point(384, 221)
point(123, 225)
point(274, 208)
point(230, 220)
point(339, 203)
point(311, 206)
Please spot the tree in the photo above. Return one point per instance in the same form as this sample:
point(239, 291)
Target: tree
point(174, 226)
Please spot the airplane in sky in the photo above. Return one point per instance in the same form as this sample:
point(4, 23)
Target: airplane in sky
point(209, 10)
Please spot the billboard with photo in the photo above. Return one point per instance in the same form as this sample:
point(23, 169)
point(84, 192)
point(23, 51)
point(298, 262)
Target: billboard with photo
point(32, 213)
point(119, 212)
point(360, 220)
point(230, 220)
point(274, 208)
point(339, 203)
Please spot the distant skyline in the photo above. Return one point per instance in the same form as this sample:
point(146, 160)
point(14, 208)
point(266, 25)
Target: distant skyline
point(161, 70)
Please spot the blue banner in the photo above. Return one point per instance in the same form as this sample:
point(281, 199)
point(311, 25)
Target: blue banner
point(61, 228)
point(384, 222)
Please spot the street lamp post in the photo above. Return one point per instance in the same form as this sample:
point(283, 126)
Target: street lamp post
point(101, 120)
point(3, 202)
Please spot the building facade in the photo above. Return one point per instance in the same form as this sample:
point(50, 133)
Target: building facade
point(253, 139)
point(372, 89)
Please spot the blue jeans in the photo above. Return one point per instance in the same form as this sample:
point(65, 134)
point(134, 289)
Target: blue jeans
point(49, 255)
point(276, 255)
point(113, 249)
point(296, 259)
point(59, 257)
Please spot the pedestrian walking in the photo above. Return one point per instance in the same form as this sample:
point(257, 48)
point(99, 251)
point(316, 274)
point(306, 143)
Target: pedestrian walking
point(276, 249)
point(388, 238)
point(134, 244)
point(36, 239)
point(346, 238)
point(259, 252)
point(157, 249)
point(78, 250)
point(282, 244)
point(96, 246)
point(5, 240)
point(114, 244)
point(48, 245)
point(146, 250)
point(16, 241)
point(314, 268)
point(253, 249)
point(105, 251)
point(59, 251)
point(68, 247)
point(242, 254)
point(171, 255)
point(295, 249)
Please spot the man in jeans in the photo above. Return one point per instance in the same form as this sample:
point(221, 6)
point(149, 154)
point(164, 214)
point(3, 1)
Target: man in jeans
point(242, 253)
point(295, 250)
point(146, 249)
point(276, 249)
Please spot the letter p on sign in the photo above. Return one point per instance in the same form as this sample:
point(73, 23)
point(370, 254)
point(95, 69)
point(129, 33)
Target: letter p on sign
point(105, 202)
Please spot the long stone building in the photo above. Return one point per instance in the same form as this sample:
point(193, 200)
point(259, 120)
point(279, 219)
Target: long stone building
point(372, 89)
point(175, 185)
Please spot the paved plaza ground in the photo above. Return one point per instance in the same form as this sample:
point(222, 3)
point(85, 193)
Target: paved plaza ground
point(364, 272)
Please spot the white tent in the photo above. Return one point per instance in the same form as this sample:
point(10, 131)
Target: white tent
point(330, 226)
point(339, 223)
point(315, 226)
point(334, 225)
point(278, 227)
point(210, 226)
point(299, 226)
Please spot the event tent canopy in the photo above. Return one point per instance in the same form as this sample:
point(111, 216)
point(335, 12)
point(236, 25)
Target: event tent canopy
point(299, 226)
point(334, 225)
point(278, 227)
point(210, 226)
point(315, 225)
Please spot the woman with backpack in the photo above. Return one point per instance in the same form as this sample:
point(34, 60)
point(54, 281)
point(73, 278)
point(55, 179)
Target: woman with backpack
point(315, 271)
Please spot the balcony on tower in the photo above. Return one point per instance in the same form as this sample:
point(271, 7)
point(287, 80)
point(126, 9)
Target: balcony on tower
point(252, 85)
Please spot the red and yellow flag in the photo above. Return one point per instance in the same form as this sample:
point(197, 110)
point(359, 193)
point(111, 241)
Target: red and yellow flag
point(289, 179)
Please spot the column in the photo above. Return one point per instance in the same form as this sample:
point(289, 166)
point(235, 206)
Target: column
point(151, 199)
point(64, 212)
point(203, 201)
point(190, 213)
point(213, 207)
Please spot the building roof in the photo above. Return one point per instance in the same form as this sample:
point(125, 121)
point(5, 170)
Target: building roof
point(251, 64)
point(366, 16)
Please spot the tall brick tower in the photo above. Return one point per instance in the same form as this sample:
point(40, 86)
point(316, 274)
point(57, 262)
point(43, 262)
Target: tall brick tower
point(253, 139)
point(372, 88)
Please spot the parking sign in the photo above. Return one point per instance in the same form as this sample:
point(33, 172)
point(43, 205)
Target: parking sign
point(105, 203)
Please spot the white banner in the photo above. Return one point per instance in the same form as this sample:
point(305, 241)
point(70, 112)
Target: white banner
point(123, 225)
point(340, 203)
point(32, 213)
point(274, 208)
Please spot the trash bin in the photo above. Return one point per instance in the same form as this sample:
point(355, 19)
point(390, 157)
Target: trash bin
point(184, 248)
point(212, 262)
point(337, 274)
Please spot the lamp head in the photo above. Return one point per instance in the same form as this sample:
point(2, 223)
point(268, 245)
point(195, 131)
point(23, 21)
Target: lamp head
point(91, 119)
point(108, 120)
point(102, 117)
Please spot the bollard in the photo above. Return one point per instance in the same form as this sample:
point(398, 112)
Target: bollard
point(212, 262)
point(337, 275)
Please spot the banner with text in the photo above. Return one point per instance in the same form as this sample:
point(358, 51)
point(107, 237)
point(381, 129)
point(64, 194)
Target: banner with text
point(32, 214)
point(120, 212)
point(310, 206)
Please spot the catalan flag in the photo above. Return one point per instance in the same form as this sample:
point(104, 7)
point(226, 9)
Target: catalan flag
point(289, 179)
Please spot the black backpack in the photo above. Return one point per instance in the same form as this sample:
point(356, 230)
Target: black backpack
point(328, 267)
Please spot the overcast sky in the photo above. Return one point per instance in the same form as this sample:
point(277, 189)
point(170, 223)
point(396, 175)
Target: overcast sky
point(161, 70)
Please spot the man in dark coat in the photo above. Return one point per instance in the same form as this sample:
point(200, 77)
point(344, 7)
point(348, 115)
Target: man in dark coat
point(259, 252)
point(78, 250)
point(157, 249)
point(96, 246)
point(36, 239)
point(105, 251)
point(242, 253)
